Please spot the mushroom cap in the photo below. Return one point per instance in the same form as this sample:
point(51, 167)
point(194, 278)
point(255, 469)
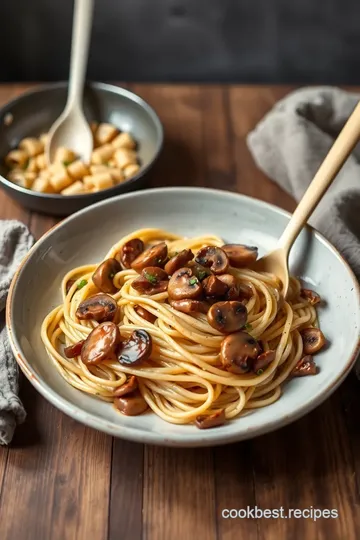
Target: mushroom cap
point(153, 256)
point(184, 285)
point(228, 316)
point(215, 419)
point(129, 252)
point(178, 261)
point(201, 272)
point(153, 280)
point(263, 361)
point(311, 296)
point(313, 340)
point(98, 307)
point(101, 344)
point(136, 349)
point(214, 258)
point(305, 366)
point(186, 305)
point(145, 314)
point(240, 255)
point(214, 287)
point(104, 275)
point(128, 387)
point(74, 350)
point(132, 404)
point(238, 351)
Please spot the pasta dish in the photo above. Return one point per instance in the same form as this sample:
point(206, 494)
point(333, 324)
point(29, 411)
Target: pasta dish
point(181, 326)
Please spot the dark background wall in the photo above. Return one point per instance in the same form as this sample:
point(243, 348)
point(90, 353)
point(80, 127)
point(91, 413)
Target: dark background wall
point(301, 41)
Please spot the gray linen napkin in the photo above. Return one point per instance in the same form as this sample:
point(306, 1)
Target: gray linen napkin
point(289, 145)
point(15, 241)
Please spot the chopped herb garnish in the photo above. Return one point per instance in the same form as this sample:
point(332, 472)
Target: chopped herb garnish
point(248, 326)
point(151, 278)
point(111, 275)
point(193, 281)
point(26, 164)
point(82, 284)
point(159, 261)
point(259, 372)
point(66, 163)
point(202, 274)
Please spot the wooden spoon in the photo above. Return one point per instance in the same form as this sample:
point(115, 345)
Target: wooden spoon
point(276, 262)
point(71, 130)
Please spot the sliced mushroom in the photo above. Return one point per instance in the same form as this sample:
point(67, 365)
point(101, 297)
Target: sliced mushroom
point(178, 261)
point(184, 285)
point(201, 272)
point(101, 344)
point(311, 296)
point(228, 279)
point(263, 361)
point(245, 292)
point(236, 290)
point(214, 287)
point(104, 275)
point(131, 405)
point(313, 340)
point(129, 252)
point(99, 307)
point(305, 366)
point(214, 258)
point(145, 314)
point(153, 280)
point(205, 421)
point(74, 350)
point(240, 255)
point(190, 306)
point(136, 349)
point(127, 388)
point(154, 256)
point(227, 317)
point(238, 351)
point(69, 284)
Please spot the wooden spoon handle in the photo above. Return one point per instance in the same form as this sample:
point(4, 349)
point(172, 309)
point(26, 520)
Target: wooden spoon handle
point(329, 168)
point(83, 14)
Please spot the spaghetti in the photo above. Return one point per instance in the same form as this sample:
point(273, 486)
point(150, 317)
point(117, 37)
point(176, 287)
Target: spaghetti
point(184, 377)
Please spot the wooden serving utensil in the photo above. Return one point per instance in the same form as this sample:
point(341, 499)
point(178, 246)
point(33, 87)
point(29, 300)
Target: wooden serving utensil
point(276, 262)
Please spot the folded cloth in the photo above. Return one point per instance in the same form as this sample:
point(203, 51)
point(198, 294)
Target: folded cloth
point(15, 241)
point(289, 145)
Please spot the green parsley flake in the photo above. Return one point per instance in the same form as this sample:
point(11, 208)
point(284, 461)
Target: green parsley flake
point(66, 163)
point(259, 372)
point(82, 284)
point(193, 281)
point(248, 326)
point(151, 278)
point(202, 274)
point(26, 164)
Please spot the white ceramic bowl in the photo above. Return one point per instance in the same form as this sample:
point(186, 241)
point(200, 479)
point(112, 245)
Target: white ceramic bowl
point(86, 237)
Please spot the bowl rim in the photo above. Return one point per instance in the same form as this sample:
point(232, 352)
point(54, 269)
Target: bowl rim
point(176, 440)
point(112, 88)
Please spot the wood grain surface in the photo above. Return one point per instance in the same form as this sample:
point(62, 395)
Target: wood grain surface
point(60, 480)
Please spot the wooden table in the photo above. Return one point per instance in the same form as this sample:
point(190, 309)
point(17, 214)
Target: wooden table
point(60, 480)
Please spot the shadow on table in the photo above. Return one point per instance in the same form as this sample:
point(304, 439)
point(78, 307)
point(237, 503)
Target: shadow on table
point(28, 434)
